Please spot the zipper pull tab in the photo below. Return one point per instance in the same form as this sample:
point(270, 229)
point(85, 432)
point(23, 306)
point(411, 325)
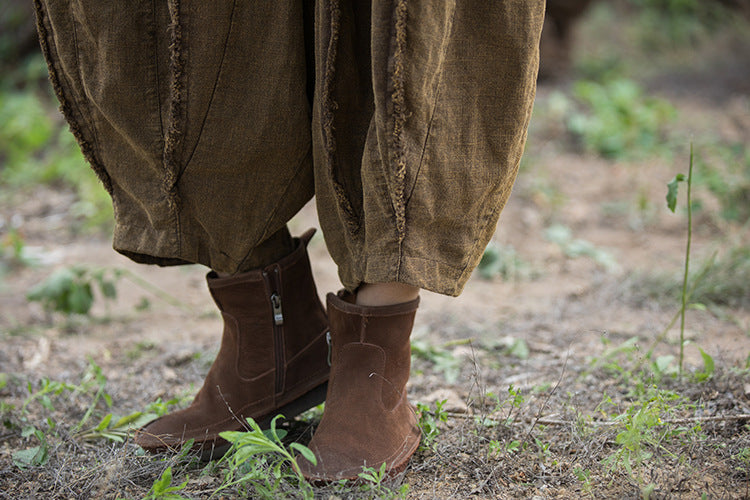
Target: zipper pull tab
point(278, 315)
point(328, 341)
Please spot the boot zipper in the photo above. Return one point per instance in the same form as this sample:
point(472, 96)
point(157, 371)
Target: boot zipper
point(278, 330)
point(328, 341)
point(278, 315)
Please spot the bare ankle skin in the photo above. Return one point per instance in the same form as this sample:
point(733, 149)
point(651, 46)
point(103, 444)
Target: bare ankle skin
point(385, 294)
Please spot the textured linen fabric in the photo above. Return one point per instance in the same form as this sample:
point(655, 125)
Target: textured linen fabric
point(212, 123)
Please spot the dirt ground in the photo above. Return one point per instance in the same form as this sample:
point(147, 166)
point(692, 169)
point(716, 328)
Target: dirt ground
point(568, 311)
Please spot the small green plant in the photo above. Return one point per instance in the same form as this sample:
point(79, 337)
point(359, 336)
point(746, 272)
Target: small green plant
point(574, 248)
point(643, 430)
point(373, 476)
point(503, 261)
point(744, 458)
point(620, 121)
point(671, 204)
point(115, 429)
point(314, 413)
point(584, 476)
point(499, 448)
point(70, 290)
point(494, 408)
point(663, 366)
point(162, 488)
point(429, 421)
point(259, 460)
point(508, 345)
point(513, 446)
point(442, 359)
point(13, 251)
point(36, 455)
point(372, 482)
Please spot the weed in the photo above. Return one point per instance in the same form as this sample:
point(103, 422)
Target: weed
point(259, 460)
point(313, 414)
point(503, 261)
point(70, 290)
point(584, 476)
point(162, 488)
point(708, 367)
point(429, 421)
point(743, 456)
point(643, 431)
point(574, 248)
point(671, 203)
point(93, 387)
point(161, 408)
point(139, 349)
point(621, 121)
point(498, 448)
point(509, 346)
point(13, 251)
point(442, 359)
point(373, 482)
point(36, 455)
point(115, 429)
point(513, 402)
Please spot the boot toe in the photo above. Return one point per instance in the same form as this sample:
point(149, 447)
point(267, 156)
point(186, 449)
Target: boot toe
point(154, 437)
point(335, 463)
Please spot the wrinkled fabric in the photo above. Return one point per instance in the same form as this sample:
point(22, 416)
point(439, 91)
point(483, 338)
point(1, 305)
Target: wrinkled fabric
point(212, 123)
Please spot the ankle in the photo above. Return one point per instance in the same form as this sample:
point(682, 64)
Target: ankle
point(385, 294)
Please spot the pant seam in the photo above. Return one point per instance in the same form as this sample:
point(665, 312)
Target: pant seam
point(177, 115)
point(265, 234)
point(433, 111)
point(328, 106)
point(397, 150)
point(213, 91)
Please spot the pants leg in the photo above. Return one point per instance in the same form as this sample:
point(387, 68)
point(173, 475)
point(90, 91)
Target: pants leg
point(418, 132)
point(196, 117)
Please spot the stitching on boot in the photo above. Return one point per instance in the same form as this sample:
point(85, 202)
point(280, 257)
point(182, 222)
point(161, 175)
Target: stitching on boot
point(398, 99)
point(65, 107)
point(329, 106)
point(388, 392)
point(363, 329)
point(176, 113)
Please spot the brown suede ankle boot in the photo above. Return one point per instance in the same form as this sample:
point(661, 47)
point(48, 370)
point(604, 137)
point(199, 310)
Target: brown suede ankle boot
point(367, 418)
point(273, 357)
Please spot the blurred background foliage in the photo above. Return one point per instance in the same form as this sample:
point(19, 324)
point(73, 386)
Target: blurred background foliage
point(36, 147)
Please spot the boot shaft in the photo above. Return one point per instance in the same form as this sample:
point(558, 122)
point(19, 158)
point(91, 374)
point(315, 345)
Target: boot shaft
point(281, 298)
point(386, 327)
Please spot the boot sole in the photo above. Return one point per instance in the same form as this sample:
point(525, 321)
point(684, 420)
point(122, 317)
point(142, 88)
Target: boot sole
point(390, 473)
point(314, 397)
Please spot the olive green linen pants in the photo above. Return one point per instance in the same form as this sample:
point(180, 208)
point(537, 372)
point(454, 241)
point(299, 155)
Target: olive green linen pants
point(211, 123)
